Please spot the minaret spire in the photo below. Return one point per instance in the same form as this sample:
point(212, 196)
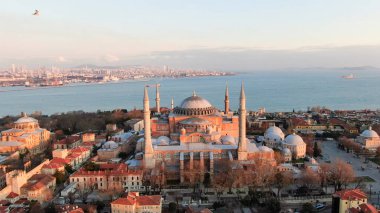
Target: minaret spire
point(242, 150)
point(172, 104)
point(148, 149)
point(158, 99)
point(226, 101)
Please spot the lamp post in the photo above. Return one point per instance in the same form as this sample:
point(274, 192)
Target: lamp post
point(378, 198)
point(370, 191)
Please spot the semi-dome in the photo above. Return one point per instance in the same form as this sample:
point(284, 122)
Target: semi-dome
point(195, 105)
point(194, 121)
point(110, 145)
point(163, 141)
point(369, 133)
point(294, 140)
point(228, 140)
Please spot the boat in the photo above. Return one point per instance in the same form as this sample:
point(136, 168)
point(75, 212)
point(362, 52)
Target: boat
point(350, 76)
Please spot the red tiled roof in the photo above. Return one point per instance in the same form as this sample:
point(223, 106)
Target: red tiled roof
point(109, 169)
point(68, 140)
point(60, 161)
point(53, 166)
point(368, 208)
point(147, 200)
point(12, 195)
point(298, 122)
point(351, 194)
point(78, 210)
point(80, 149)
point(38, 181)
point(4, 203)
point(151, 200)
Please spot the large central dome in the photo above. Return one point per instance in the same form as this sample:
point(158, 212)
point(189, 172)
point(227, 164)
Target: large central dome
point(195, 102)
point(195, 105)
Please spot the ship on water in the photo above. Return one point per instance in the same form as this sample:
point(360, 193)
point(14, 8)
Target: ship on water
point(350, 76)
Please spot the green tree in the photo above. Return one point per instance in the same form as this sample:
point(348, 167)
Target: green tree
point(172, 207)
point(316, 150)
point(100, 205)
point(123, 155)
point(308, 208)
point(50, 208)
point(273, 205)
point(91, 166)
point(60, 177)
point(69, 169)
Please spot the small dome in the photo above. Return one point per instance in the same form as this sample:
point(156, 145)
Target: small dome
point(369, 133)
point(110, 145)
point(294, 140)
point(163, 141)
point(274, 133)
point(286, 151)
point(228, 140)
point(265, 149)
point(195, 102)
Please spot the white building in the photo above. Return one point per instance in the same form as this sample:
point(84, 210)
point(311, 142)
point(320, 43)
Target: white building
point(369, 139)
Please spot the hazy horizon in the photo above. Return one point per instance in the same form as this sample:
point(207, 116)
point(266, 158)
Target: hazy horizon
point(220, 35)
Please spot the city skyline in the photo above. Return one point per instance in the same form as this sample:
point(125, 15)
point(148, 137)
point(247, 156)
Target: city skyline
point(247, 35)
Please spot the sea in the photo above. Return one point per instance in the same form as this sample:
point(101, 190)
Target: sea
point(281, 90)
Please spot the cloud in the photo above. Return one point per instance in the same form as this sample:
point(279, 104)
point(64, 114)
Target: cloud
point(61, 59)
point(111, 58)
point(250, 59)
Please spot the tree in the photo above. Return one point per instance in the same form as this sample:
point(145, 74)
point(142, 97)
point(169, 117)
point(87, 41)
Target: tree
point(309, 179)
point(282, 180)
point(260, 175)
point(227, 175)
point(273, 205)
point(35, 207)
point(172, 207)
point(91, 166)
point(60, 177)
point(50, 208)
point(316, 150)
point(309, 140)
point(378, 152)
point(340, 174)
point(308, 208)
point(69, 169)
point(100, 205)
point(323, 173)
point(123, 155)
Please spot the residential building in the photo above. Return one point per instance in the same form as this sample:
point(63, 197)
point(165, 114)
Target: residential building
point(134, 203)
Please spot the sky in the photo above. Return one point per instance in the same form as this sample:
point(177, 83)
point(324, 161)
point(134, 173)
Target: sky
point(212, 34)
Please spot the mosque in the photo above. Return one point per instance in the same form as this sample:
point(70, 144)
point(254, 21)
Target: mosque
point(195, 135)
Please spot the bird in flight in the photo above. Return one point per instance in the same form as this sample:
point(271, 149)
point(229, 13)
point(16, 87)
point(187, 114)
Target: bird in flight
point(36, 13)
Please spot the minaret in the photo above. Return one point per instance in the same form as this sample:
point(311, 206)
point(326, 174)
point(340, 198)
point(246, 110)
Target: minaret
point(226, 101)
point(172, 104)
point(158, 99)
point(148, 149)
point(242, 150)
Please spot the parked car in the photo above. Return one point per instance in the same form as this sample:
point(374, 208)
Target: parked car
point(320, 206)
